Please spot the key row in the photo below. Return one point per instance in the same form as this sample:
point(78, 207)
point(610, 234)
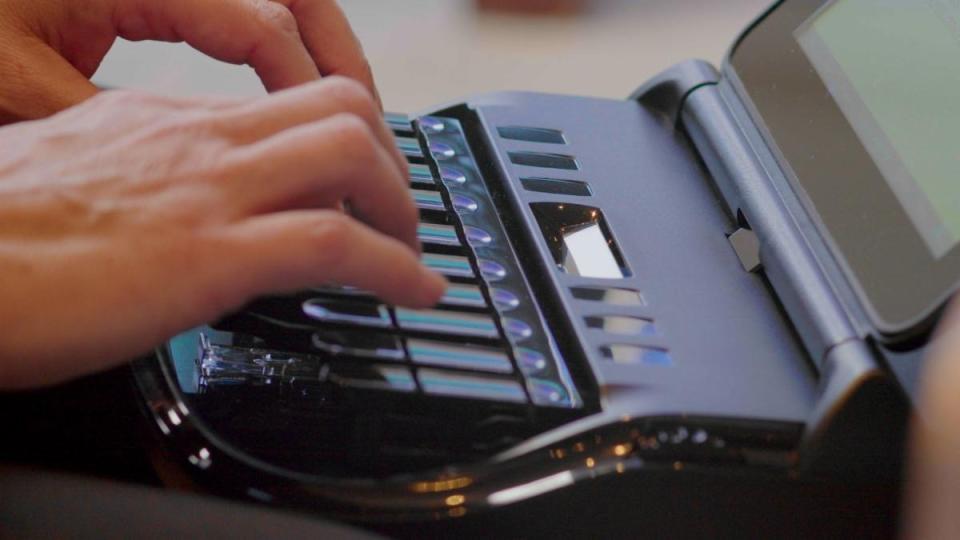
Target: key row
point(228, 366)
point(381, 346)
point(362, 313)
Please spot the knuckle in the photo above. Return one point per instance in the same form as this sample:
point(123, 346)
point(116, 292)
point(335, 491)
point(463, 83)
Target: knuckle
point(333, 236)
point(356, 139)
point(277, 19)
point(350, 95)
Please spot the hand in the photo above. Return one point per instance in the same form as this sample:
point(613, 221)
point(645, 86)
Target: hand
point(933, 493)
point(131, 217)
point(50, 48)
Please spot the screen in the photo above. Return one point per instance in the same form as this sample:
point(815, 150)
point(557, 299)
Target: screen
point(893, 68)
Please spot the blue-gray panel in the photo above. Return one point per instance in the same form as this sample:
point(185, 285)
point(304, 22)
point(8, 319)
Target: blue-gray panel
point(732, 352)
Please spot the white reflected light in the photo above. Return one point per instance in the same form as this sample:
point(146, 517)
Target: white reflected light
point(588, 254)
point(531, 489)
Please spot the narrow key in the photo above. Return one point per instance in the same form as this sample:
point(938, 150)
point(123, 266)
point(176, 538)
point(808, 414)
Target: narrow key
point(447, 322)
point(450, 355)
point(449, 265)
point(399, 123)
point(432, 233)
point(428, 200)
point(463, 296)
point(443, 383)
point(365, 377)
point(421, 176)
point(410, 147)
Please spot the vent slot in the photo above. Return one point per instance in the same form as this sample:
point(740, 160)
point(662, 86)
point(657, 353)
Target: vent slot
point(622, 325)
point(545, 160)
point(609, 295)
point(636, 354)
point(556, 186)
point(532, 134)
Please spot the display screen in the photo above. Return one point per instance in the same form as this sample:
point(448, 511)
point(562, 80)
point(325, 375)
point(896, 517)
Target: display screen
point(893, 69)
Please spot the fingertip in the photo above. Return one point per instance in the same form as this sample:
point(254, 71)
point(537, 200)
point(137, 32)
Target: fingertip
point(431, 288)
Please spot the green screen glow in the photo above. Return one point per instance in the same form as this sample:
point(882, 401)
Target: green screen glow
point(893, 67)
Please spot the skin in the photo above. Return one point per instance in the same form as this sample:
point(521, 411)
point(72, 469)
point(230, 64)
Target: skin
point(129, 217)
point(50, 48)
point(933, 493)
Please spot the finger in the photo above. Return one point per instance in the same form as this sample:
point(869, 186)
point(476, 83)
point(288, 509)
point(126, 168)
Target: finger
point(290, 251)
point(308, 103)
point(331, 41)
point(37, 81)
point(259, 33)
point(338, 159)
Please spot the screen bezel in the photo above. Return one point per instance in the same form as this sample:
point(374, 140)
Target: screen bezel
point(901, 284)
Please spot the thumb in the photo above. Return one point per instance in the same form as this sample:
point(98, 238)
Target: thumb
point(37, 81)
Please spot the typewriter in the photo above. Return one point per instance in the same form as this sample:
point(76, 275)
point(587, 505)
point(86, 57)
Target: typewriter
point(730, 271)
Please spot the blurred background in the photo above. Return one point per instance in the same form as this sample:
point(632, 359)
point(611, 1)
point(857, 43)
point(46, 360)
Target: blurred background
point(428, 52)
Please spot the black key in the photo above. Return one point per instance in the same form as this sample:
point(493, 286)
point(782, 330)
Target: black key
point(372, 377)
point(329, 310)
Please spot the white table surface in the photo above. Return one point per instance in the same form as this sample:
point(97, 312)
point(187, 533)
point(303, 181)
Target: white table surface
point(428, 52)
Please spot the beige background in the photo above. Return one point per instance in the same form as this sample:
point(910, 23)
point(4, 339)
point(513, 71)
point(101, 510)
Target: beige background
point(426, 52)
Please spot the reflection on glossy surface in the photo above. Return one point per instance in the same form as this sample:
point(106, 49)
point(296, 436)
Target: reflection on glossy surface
point(360, 344)
point(504, 299)
point(477, 237)
point(556, 186)
point(544, 160)
point(463, 296)
point(421, 176)
point(588, 254)
point(531, 362)
point(613, 296)
point(452, 177)
point(447, 322)
point(464, 205)
point(531, 489)
point(410, 147)
point(470, 386)
point(442, 151)
point(428, 199)
point(517, 329)
point(634, 354)
point(492, 271)
point(458, 356)
point(345, 311)
point(398, 122)
point(392, 378)
point(432, 233)
point(430, 124)
point(580, 240)
point(532, 134)
point(437, 486)
point(544, 392)
point(449, 265)
point(622, 325)
point(221, 365)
